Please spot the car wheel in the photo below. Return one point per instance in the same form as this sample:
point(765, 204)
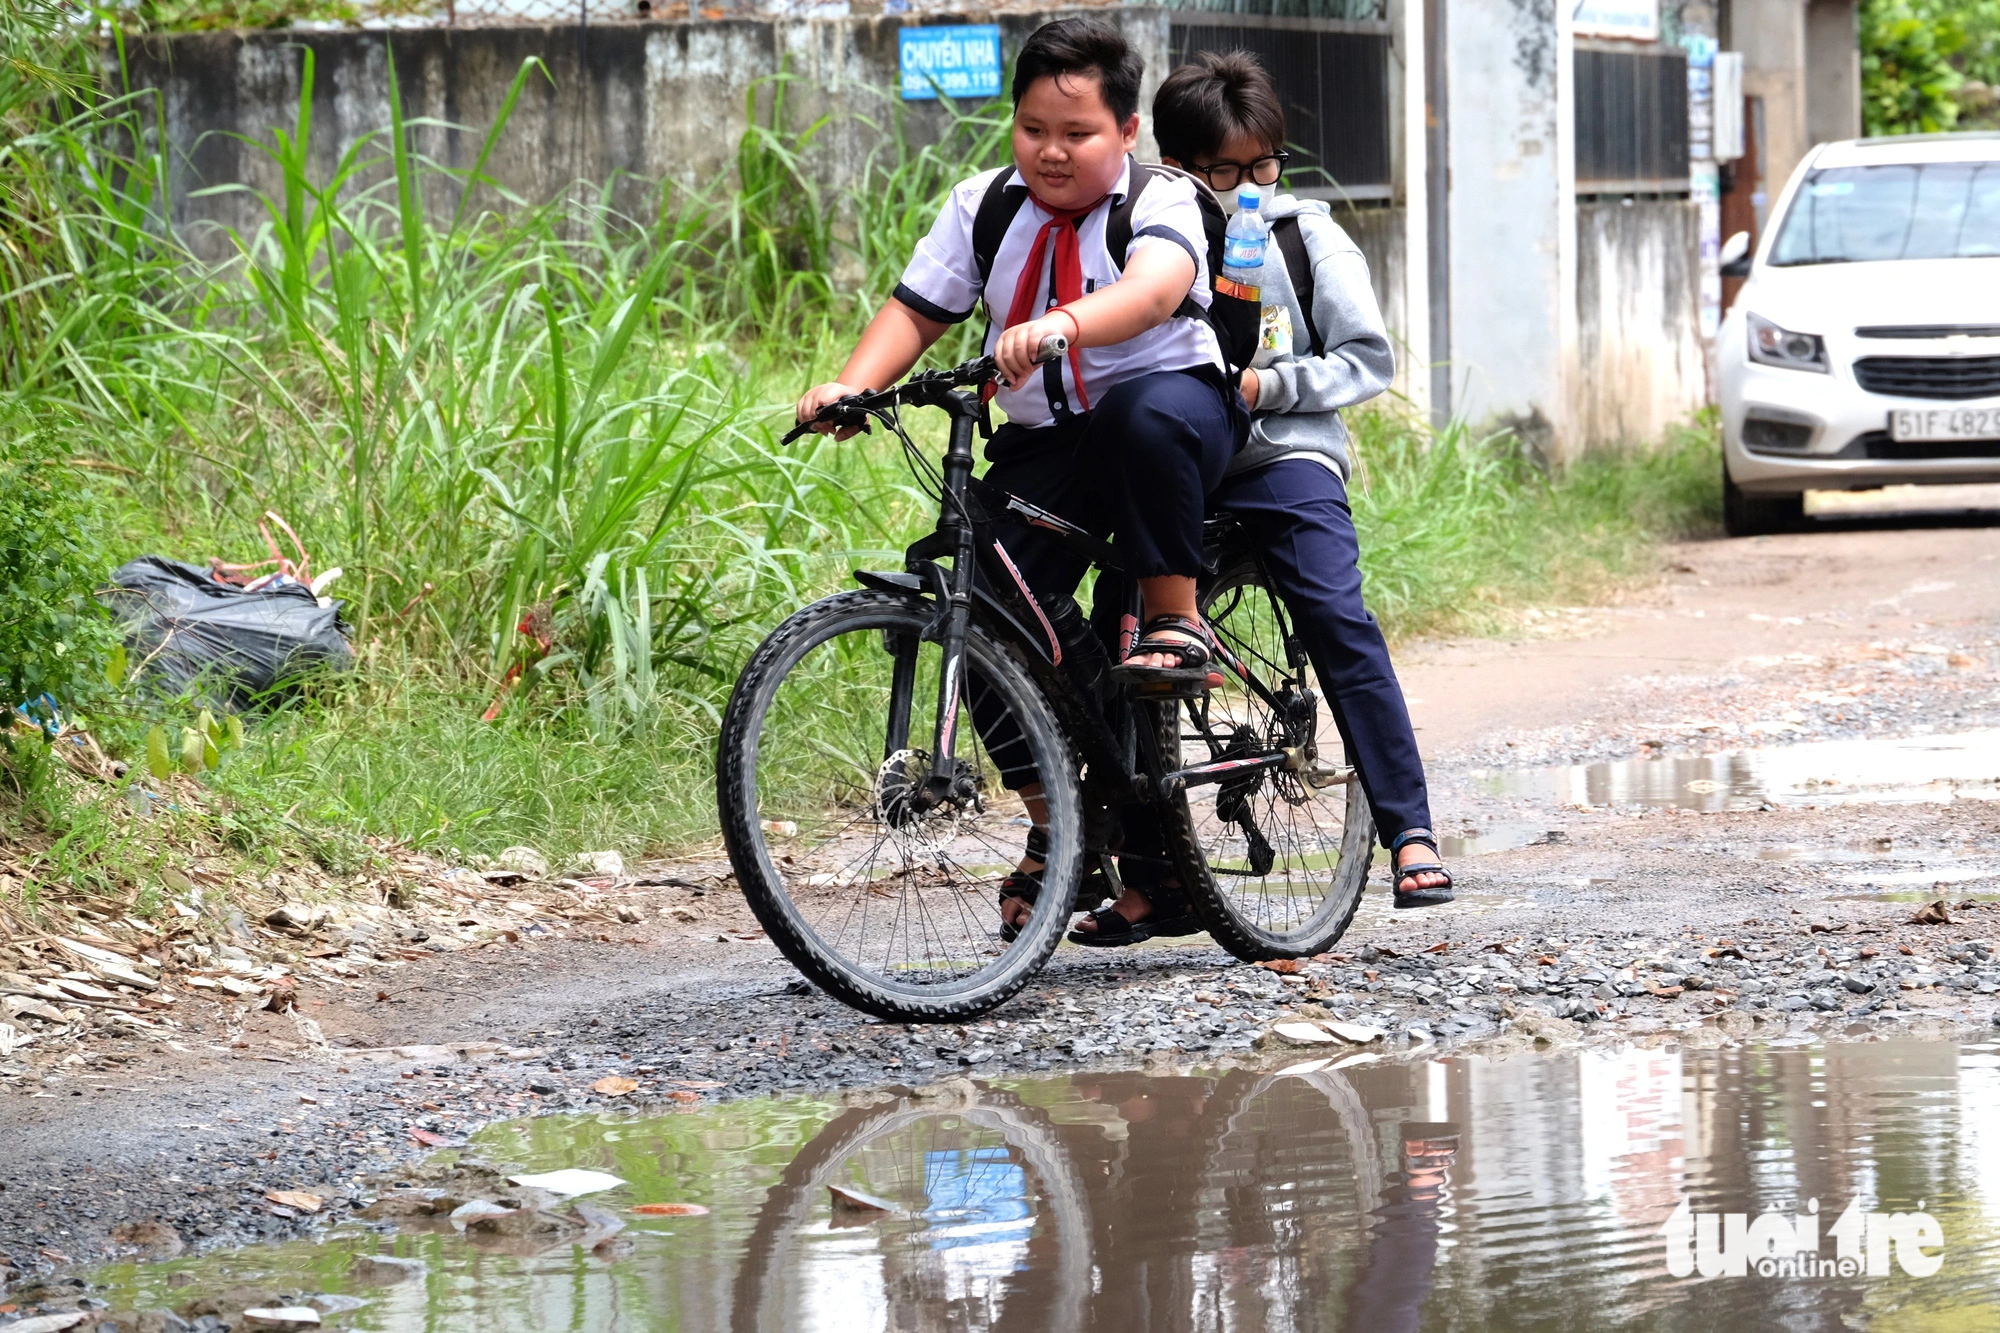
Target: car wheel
point(1747, 515)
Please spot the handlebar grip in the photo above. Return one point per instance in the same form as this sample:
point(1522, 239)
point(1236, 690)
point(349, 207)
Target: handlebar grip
point(798, 432)
point(1053, 348)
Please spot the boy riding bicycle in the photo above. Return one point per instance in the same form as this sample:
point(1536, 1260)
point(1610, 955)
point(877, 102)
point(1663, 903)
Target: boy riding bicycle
point(1131, 430)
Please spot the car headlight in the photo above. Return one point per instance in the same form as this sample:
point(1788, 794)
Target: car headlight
point(1774, 346)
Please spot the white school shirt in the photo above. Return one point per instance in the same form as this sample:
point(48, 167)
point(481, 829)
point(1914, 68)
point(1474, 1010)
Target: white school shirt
point(942, 283)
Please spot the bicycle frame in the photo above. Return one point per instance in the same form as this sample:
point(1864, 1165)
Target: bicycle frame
point(1108, 740)
point(983, 581)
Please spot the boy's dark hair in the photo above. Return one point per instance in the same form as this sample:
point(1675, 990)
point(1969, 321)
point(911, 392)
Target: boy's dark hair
point(1223, 93)
point(1083, 46)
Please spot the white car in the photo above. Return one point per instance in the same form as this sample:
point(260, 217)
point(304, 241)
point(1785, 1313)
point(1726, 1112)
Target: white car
point(1864, 350)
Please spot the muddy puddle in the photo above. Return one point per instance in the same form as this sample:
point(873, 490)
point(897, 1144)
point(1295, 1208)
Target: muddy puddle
point(1964, 766)
point(1369, 1194)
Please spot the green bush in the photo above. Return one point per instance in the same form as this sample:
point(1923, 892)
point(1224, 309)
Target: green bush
point(54, 637)
point(1907, 77)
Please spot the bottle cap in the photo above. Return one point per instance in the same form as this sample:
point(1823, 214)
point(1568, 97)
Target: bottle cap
point(1249, 196)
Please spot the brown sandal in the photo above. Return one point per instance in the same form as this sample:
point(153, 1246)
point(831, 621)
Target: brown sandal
point(1192, 656)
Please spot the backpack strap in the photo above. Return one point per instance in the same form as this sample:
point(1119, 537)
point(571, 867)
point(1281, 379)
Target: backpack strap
point(1118, 222)
point(996, 212)
point(1118, 225)
point(1298, 265)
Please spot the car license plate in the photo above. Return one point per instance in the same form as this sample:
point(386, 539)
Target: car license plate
point(1945, 423)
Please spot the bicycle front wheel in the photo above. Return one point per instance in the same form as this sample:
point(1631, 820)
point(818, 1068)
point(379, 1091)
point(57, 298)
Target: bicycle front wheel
point(892, 907)
point(1277, 865)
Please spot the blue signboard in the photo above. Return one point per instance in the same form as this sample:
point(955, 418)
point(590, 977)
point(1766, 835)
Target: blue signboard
point(962, 61)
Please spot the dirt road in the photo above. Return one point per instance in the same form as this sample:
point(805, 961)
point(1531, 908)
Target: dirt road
point(1754, 865)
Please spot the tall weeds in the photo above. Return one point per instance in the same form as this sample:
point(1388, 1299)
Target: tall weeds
point(535, 438)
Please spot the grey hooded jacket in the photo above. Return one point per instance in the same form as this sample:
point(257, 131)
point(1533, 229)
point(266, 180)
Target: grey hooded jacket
point(1299, 395)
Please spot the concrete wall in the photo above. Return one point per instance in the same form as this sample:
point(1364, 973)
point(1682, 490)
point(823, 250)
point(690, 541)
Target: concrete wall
point(1640, 362)
point(1382, 235)
point(633, 102)
point(1508, 216)
point(1833, 71)
point(1771, 34)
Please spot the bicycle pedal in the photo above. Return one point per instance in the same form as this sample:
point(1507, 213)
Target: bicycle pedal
point(1166, 689)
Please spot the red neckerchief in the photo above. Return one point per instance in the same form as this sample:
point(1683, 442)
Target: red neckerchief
point(1062, 224)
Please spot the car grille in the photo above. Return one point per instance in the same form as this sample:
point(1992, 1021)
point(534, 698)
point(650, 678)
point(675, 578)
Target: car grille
point(1949, 377)
point(1878, 444)
point(1920, 332)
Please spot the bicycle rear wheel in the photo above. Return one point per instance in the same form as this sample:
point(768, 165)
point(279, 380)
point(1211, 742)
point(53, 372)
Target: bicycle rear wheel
point(1276, 865)
point(889, 907)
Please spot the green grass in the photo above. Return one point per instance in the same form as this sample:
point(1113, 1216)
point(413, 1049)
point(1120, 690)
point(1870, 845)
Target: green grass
point(563, 417)
point(1457, 532)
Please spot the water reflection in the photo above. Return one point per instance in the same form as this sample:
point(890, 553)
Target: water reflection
point(1965, 766)
point(1466, 1193)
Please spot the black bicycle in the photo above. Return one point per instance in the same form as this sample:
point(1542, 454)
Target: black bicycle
point(870, 827)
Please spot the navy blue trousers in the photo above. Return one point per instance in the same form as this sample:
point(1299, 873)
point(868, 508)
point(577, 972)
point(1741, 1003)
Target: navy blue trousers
point(1295, 512)
point(1296, 517)
point(1138, 464)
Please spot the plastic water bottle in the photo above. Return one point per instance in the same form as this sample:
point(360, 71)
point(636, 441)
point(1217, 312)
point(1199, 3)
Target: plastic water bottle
point(1244, 241)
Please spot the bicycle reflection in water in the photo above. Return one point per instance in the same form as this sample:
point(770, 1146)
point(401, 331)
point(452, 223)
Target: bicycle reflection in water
point(1243, 1200)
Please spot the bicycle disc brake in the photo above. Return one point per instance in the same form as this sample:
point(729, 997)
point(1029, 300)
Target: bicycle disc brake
point(902, 775)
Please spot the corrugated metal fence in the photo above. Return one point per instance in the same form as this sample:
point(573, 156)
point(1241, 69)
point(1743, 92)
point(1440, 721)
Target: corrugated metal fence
point(1334, 76)
point(1631, 120)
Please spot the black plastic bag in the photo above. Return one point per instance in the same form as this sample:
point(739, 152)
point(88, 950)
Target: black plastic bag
point(234, 646)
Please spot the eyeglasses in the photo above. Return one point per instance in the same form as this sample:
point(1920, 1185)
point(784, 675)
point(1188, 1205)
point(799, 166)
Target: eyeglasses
point(1226, 176)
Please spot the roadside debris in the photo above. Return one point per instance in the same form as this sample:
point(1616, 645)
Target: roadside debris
point(571, 1181)
point(234, 937)
point(184, 629)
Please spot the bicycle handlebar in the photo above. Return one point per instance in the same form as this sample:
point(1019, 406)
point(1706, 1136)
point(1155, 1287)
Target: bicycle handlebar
point(919, 388)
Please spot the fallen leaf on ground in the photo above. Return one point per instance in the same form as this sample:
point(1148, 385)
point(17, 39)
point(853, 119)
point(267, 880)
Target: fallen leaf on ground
point(299, 1199)
point(431, 1140)
point(615, 1085)
point(1440, 947)
point(1932, 914)
point(1286, 966)
point(671, 1210)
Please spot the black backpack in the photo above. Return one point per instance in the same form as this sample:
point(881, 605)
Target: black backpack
point(1235, 320)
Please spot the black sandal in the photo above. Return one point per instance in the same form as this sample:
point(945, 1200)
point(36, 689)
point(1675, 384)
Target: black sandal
point(1193, 657)
point(1171, 919)
point(1424, 897)
point(1024, 885)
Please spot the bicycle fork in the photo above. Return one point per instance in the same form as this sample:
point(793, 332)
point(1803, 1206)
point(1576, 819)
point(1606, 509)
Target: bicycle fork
point(949, 779)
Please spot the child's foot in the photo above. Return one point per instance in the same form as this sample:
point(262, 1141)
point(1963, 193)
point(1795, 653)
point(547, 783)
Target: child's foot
point(1421, 879)
point(1173, 650)
point(1135, 918)
point(1023, 886)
